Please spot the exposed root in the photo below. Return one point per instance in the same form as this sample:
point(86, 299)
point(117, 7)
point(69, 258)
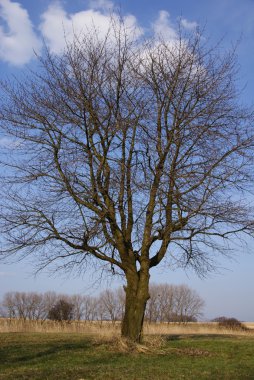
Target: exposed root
point(124, 345)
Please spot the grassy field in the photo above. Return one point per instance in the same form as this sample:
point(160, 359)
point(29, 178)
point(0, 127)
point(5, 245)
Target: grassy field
point(77, 356)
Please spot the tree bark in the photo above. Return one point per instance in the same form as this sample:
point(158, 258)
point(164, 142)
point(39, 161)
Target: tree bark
point(137, 295)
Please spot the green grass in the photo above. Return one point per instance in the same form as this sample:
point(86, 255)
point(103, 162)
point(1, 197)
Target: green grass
point(65, 356)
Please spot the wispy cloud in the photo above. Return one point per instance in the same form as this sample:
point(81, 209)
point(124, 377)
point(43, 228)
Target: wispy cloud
point(17, 37)
point(163, 27)
point(190, 25)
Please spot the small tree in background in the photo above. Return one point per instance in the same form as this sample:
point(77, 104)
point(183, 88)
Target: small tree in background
point(112, 303)
point(25, 305)
point(188, 304)
point(173, 303)
point(61, 311)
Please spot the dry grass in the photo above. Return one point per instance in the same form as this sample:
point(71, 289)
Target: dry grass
point(249, 325)
point(106, 329)
point(109, 330)
point(151, 344)
point(192, 328)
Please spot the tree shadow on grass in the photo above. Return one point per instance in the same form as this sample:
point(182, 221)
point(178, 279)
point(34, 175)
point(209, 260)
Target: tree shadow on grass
point(173, 337)
point(14, 355)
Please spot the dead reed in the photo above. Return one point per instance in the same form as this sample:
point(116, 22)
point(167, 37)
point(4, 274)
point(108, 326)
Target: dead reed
point(83, 327)
point(108, 329)
point(194, 328)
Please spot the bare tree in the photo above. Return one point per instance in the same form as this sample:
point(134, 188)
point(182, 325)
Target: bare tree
point(188, 304)
point(9, 305)
point(120, 294)
point(90, 308)
point(173, 303)
point(49, 300)
point(35, 306)
point(78, 306)
point(111, 301)
point(126, 152)
point(21, 304)
point(152, 312)
point(24, 305)
point(166, 301)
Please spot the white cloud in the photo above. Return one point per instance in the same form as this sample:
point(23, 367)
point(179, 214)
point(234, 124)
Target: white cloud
point(190, 25)
point(17, 37)
point(57, 26)
point(162, 27)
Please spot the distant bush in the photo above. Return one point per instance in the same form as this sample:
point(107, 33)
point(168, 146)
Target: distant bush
point(61, 311)
point(230, 323)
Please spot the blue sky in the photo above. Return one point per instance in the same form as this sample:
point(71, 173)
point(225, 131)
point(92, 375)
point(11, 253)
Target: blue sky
point(23, 26)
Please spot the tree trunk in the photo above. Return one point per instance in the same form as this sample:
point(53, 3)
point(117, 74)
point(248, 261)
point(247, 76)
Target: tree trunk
point(136, 298)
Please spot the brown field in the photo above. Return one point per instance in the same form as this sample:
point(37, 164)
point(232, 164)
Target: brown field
point(109, 329)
